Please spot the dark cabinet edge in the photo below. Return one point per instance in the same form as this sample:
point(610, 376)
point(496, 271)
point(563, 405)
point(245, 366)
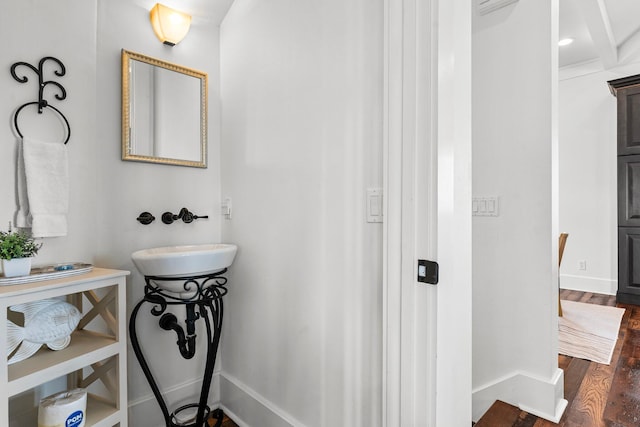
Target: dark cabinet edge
point(616, 84)
point(626, 298)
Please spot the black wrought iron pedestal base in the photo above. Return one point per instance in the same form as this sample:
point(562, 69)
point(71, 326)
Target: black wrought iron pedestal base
point(202, 298)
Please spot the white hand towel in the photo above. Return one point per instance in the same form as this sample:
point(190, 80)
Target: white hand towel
point(23, 220)
point(46, 170)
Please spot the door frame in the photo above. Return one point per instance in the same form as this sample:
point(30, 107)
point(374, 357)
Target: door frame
point(427, 208)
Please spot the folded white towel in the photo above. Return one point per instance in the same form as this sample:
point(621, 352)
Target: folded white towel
point(46, 171)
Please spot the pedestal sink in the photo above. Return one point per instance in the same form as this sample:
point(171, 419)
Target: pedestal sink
point(183, 261)
point(192, 277)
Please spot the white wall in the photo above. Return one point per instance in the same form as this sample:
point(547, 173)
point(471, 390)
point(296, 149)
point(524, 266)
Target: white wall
point(38, 29)
point(106, 193)
point(514, 280)
point(588, 178)
point(302, 108)
point(155, 188)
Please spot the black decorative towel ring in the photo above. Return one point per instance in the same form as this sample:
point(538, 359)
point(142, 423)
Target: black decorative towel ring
point(41, 102)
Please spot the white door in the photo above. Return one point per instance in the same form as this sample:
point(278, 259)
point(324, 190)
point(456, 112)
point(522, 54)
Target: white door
point(427, 328)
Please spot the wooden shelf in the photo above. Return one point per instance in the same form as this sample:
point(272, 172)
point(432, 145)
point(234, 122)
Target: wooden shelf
point(86, 347)
point(100, 413)
point(105, 354)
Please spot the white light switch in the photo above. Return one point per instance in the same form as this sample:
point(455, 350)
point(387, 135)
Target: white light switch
point(226, 208)
point(374, 204)
point(484, 206)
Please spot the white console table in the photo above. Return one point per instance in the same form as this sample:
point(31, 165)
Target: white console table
point(97, 350)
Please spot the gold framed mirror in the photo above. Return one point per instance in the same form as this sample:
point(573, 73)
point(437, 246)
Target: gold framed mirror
point(164, 112)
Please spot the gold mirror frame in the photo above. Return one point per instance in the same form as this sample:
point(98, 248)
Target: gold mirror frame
point(127, 56)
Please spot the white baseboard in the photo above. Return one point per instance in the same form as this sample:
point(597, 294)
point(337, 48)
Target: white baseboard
point(145, 411)
point(241, 403)
point(248, 408)
point(588, 284)
point(543, 398)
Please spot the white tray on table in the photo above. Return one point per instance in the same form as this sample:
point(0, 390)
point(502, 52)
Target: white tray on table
point(47, 272)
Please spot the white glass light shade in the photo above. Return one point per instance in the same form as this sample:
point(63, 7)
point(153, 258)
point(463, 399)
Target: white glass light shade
point(170, 25)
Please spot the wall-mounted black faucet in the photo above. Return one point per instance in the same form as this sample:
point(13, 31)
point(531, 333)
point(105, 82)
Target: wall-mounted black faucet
point(184, 215)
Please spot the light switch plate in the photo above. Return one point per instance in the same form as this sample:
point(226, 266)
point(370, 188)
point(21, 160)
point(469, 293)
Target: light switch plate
point(485, 206)
point(227, 207)
point(374, 204)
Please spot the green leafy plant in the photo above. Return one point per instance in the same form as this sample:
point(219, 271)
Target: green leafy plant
point(17, 244)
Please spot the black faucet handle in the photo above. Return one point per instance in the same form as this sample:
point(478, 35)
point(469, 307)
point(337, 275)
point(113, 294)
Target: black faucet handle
point(187, 217)
point(168, 217)
point(145, 218)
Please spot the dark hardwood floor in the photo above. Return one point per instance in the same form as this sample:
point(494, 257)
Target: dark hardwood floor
point(226, 422)
point(598, 395)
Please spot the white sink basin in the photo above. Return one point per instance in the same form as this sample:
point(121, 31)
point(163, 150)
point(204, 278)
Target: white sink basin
point(184, 261)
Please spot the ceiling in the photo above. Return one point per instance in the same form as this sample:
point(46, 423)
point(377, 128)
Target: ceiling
point(604, 31)
point(607, 31)
point(203, 12)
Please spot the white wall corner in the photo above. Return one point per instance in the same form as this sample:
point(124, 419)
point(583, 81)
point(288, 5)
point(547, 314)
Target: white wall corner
point(145, 410)
point(248, 408)
point(540, 397)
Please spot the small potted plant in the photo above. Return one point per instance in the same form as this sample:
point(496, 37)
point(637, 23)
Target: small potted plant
point(16, 251)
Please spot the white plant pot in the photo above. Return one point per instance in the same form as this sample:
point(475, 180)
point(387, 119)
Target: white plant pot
point(16, 267)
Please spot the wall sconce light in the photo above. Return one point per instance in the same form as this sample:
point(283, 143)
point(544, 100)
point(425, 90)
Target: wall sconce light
point(170, 25)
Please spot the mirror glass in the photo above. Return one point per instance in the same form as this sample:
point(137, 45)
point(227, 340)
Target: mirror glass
point(164, 112)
